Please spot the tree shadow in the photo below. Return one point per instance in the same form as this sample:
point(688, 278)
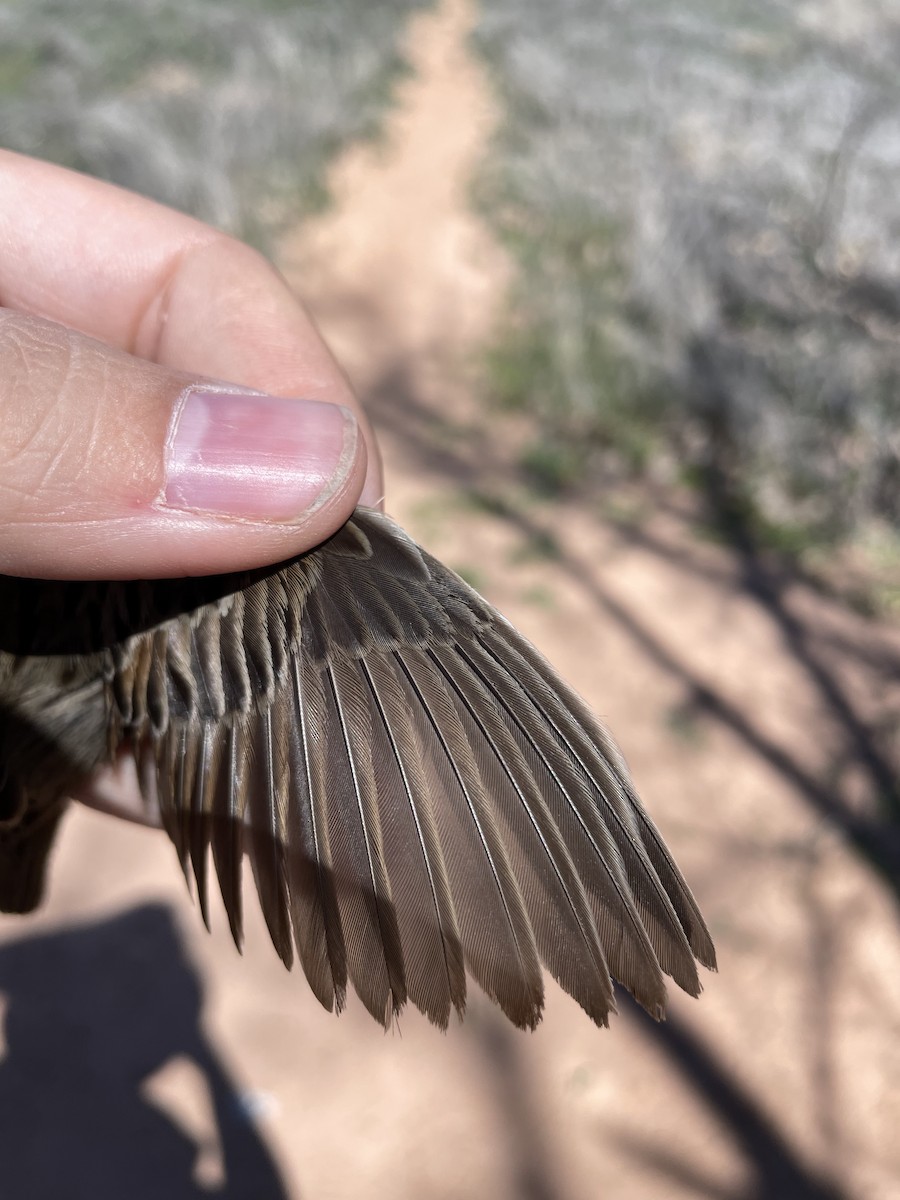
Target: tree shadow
point(774, 1170)
point(877, 654)
point(875, 833)
point(91, 1013)
point(532, 1176)
point(768, 587)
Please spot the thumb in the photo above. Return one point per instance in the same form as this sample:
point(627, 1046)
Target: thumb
point(115, 467)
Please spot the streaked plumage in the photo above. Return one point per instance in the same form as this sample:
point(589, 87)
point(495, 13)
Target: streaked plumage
point(418, 794)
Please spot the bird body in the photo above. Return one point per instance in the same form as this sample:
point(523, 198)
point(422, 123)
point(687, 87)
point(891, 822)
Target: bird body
point(419, 795)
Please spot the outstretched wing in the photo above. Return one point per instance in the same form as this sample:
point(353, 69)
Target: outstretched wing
point(418, 793)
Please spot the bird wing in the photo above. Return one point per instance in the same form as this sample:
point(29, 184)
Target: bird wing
point(418, 793)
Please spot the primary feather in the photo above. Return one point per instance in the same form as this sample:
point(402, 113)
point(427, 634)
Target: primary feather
point(418, 793)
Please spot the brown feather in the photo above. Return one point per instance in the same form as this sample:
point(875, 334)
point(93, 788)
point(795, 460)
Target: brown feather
point(498, 941)
point(418, 793)
point(318, 935)
point(557, 905)
point(228, 806)
point(356, 815)
point(426, 915)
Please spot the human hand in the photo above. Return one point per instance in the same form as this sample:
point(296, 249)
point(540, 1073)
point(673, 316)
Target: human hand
point(116, 314)
point(123, 452)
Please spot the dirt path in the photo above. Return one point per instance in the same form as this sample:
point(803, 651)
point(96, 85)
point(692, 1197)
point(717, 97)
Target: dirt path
point(731, 709)
point(404, 280)
point(742, 715)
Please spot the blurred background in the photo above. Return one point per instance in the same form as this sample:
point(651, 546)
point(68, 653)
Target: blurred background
point(620, 285)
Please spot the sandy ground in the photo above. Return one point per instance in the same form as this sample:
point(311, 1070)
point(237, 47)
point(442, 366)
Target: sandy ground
point(146, 1058)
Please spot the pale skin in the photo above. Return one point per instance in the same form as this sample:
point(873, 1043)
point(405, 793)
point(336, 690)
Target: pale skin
point(110, 307)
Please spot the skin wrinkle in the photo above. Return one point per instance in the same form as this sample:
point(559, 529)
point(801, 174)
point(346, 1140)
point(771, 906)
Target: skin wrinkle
point(74, 370)
point(22, 495)
point(160, 299)
point(70, 361)
point(74, 437)
point(97, 435)
point(126, 457)
point(39, 431)
point(180, 268)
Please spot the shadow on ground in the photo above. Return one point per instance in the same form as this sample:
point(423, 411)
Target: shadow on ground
point(774, 1168)
point(874, 830)
point(91, 1014)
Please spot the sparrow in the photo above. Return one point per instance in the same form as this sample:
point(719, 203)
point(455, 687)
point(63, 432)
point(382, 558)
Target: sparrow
point(419, 795)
